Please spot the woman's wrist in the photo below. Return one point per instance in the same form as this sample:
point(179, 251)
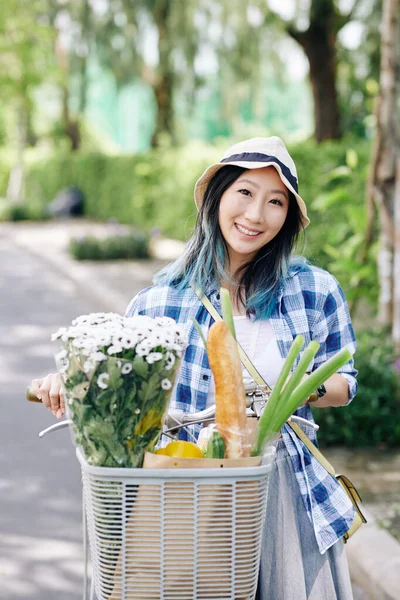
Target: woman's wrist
point(334, 392)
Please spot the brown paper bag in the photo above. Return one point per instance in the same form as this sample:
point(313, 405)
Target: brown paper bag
point(167, 548)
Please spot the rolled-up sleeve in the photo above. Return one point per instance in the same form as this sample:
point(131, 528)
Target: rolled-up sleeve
point(132, 310)
point(333, 330)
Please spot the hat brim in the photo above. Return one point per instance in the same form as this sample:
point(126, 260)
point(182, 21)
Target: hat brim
point(202, 184)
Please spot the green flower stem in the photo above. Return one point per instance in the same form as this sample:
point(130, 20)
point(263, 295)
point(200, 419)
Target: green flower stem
point(317, 378)
point(199, 331)
point(227, 314)
point(263, 427)
point(295, 379)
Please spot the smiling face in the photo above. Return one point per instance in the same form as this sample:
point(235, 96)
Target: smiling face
point(252, 211)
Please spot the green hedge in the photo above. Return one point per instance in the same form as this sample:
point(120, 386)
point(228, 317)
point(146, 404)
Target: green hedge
point(154, 189)
point(132, 245)
point(373, 417)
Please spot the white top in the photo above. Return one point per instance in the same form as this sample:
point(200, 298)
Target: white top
point(259, 342)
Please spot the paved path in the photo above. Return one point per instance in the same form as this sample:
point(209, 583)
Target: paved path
point(40, 490)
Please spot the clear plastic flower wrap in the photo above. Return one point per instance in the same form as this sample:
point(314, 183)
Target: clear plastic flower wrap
point(118, 374)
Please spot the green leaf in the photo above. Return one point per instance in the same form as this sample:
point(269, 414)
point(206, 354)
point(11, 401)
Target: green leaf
point(140, 366)
point(199, 331)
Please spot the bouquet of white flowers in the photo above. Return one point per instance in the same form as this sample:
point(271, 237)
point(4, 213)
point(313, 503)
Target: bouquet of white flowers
point(118, 374)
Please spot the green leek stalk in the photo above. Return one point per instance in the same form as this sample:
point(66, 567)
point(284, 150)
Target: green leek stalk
point(293, 382)
point(227, 314)
point(263, 427)
point(317, 378)
point(267, 427)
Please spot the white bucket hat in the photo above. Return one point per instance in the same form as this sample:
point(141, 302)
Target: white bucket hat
point(256, 154)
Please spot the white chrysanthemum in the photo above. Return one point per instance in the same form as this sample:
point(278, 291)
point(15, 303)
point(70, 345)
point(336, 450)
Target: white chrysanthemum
point(126, 368)
point(103, 338)
point(166, 384)
point(169, 361)
point(154, 357)
point(144, 347)
point(97, 336)
point(114, 349)
point(62, 361)
point(58, 334)
point(88, 366)
point(82, 342)
point(165, 321)
point(98, 356)
point(139, 322)
point(102, 381)
point(128, 340)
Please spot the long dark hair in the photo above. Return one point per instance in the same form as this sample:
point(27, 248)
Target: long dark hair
point(206, 256)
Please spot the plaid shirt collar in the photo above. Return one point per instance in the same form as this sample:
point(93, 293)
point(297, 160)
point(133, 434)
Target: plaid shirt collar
point(311, 303)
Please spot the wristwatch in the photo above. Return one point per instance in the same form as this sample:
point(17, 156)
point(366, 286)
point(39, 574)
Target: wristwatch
point(321, 391)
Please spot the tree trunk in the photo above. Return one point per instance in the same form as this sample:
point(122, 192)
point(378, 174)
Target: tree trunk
point(396, 273)
point(387, 154)
point(83, 84)
point(71, 126)
point(72, 129)
point(163, 85)
point(165, 116)
point(319, 47)
point(319, 44)
point(15, 187)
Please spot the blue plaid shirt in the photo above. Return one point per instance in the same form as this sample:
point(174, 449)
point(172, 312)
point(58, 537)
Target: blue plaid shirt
point(311, 303)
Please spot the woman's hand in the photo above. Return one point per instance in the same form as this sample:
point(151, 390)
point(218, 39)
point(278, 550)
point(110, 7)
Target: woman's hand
point(49, 391)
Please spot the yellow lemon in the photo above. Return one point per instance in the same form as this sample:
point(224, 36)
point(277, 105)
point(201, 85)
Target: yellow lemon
point(162, 451)
point(181, 449)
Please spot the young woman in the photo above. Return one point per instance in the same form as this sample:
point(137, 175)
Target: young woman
point(250, 217)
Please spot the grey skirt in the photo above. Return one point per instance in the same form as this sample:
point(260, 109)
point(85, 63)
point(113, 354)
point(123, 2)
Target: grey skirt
point(291, 566)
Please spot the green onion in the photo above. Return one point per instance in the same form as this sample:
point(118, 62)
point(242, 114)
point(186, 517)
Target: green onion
point(285, 403)
point(317, 378)
point(294, 381)
point(227, 314)
point(263, 430)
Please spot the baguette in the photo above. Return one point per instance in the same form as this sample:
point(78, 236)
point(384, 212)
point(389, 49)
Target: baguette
point(230, 401)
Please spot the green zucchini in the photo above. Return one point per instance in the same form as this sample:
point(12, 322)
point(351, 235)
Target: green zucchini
point(215, 446)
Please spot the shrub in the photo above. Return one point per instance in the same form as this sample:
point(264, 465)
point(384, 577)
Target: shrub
point(32, 211)
point(373, 417)
point(149, 190)
point(132, 245)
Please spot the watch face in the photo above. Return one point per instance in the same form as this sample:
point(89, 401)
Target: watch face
point(321, 391)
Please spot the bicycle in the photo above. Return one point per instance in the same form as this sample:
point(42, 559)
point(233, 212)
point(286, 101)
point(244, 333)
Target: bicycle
point(155, 531)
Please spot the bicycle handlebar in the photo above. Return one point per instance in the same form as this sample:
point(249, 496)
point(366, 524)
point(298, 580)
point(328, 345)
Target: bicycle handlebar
point(30, 396)
point(178, 418)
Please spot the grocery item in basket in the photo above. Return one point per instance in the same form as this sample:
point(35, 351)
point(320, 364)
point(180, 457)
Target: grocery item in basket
point(230, 400)
point(215, 446)
point(180, 449)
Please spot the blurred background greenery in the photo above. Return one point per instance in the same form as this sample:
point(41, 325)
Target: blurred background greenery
point(129, 100)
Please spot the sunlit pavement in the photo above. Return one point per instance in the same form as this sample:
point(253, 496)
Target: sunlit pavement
point(41, 555)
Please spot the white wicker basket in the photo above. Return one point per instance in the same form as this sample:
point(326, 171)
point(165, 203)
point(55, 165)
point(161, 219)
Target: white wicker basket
point(175, 534)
